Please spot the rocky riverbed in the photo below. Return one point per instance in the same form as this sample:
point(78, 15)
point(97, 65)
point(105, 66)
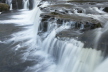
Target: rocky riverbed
point(64, 34)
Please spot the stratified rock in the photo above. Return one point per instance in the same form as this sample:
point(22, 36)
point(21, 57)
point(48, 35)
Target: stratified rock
point(68, 33)
point(4, 7)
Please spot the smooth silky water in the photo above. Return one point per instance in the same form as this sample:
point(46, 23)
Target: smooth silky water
point(23, 50)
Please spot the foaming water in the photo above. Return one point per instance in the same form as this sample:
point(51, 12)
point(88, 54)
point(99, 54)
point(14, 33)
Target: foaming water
point(102, 67)
point(26, 3)
point(75, 58)
point(71, 56)
point(24, 41)
point(52, 54)
point(10, 3)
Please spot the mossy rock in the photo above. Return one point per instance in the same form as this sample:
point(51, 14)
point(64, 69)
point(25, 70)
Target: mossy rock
point(4, 7)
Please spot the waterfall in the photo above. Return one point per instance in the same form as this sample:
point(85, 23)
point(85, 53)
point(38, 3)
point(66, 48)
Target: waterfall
point(9, 2)
point(26, 4)
point(54, 41)
point(102, 67)
point(70, 54)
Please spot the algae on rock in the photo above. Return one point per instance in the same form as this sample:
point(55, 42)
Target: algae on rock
point(4, 7)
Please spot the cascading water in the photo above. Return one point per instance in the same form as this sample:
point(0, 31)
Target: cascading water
point(10, 3)
point(70, 55)
point(26, 3)
point(52, 40)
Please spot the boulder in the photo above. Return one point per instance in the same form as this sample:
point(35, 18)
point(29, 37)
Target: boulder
point(4, 7)
point(105, 9)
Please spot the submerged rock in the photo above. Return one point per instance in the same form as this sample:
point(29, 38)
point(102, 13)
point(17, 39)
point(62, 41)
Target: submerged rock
point(4, 7)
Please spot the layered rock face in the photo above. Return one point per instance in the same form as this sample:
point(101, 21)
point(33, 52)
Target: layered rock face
point(80, 20)
point(80, 16)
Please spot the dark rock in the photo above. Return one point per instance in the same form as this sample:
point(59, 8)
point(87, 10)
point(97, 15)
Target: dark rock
point(3, 1)
point(54, 13)
point(77, 25)
point(68, 33)
point(63, 13)
point(51, 19)
point(39, 5)
point(43, 26)
point(59, 21)
point(14, 4)
point(92, 3)
point(66, 11)
point(45, 16)
point(43, 20)
point(105, 9)
point(93, 26)
point(4, 7)
point(30, 4)
point(17, 4)
point(80, 11)
point(20, 4)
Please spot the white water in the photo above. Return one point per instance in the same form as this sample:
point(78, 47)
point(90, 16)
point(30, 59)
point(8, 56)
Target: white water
point(55, 55)
point(70, 55)
point(102, 67)
point(26, 4)
point(9, 2)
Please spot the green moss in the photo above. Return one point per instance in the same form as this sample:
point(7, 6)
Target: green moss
point(4, 7)
point(54, 13)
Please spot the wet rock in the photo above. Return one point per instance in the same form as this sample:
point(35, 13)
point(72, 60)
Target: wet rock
point(92, 3)
point(80, 11)
point(54, 13)
point(17, 4)
point(44, 9)
point(105, 9)
point(14, 4)
point(66, 11)
point(20, 4)
point(59, 21)
point(78, 25)
point(39, 5)
point(68, 33)
point(45, 16)
point(93, 26)
point(76, 22)
point(2, 1)
point(43, 20)
point(85, 26)
point(4, 7)
point(43, 27)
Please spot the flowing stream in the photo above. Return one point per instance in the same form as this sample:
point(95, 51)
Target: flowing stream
point(51, 38)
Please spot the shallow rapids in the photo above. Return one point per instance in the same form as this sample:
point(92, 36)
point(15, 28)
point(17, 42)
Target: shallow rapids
point(54, 37)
